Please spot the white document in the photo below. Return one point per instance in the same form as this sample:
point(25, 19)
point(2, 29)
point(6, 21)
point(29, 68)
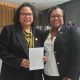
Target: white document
point(36, 58)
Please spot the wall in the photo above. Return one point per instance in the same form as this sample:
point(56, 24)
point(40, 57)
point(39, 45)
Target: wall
point(72, 11)
point(6, 13)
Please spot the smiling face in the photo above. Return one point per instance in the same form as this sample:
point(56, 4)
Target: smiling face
point(26, 16)
point(56, 18)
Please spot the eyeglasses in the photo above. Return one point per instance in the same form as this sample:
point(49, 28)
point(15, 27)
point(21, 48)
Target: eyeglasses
point(56, 16)
point(24, 14)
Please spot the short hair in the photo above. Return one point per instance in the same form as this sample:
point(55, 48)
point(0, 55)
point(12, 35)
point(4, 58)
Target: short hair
point(54, 8)
point(17, 14)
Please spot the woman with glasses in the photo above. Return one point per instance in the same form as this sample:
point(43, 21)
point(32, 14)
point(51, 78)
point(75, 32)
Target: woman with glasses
point(61, 48)
point(15, 41)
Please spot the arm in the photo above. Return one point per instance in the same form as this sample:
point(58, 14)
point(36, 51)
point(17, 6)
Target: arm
point(5, 55)
point(74, 63)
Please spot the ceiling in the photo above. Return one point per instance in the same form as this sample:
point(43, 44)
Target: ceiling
point(40, 4)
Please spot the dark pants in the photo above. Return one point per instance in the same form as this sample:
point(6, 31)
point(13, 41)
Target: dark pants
point(46, 77)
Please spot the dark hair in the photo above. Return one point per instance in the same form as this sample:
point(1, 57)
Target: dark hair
point(17, 14)
point(54, 8)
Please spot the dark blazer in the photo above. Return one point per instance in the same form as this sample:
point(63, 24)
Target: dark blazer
point(13, 48)
point(67, 52)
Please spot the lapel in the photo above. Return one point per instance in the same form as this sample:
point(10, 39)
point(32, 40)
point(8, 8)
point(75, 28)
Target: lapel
point(36, 39)
point(60, 33)
point(22, 41)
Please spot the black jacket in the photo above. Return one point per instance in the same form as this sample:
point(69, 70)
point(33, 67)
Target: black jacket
point(67, 52)
point(13, 48)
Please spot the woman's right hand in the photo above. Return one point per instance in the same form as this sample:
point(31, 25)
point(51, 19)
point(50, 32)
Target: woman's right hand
point(25, 63)
point(45, 58)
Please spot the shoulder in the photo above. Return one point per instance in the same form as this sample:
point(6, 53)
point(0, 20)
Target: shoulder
point(37, 31)
point(73, 31)
point(7, 30)
point(8, 27)
point(70, 28)
point(6, 33)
